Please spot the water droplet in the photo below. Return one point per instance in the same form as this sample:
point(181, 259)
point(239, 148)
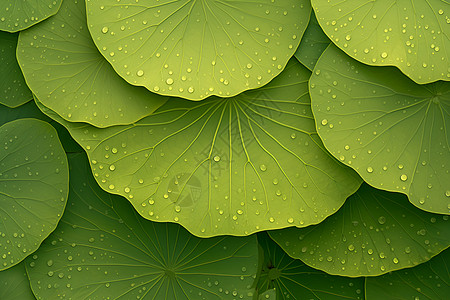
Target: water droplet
point(140, 73)
point(384, 55)
point(111, 186)
point(263, 168)
point(216, 158)
point(369, 169)
point(324, 122)
point(169, 81)
point(381, 220)
point(404, 177)
point(105, 29)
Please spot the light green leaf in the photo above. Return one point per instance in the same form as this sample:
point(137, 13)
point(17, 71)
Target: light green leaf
point(65, 71)
point(313, 43)
point(411, 35)
point(392, 131)
point(195, 49)
point(18, 15)
point(375, 232)
point(33, 187)
point(430, 280)
point(292, 279)
point(13, 89)
point(104, 249)
point(224, 166)
point(14, 284)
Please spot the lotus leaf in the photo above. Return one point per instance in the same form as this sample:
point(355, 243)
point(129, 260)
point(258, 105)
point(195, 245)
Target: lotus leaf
point(224, 166)
point(104, 249)
point(411, 35)
point(392, 131)
point(375, 232)
point(65, 71)
point(430, 280)
point(292, 279)
point(195, 49)
point(33, 187)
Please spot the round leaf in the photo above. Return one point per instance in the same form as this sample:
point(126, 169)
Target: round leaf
point(313, 43)
point(412, 36)
point(13, 89)
point(33, 187)
point(392, 131)
point(430, 280)
point(104, 249)
point(292, 279)
point(18, 15)
point(224, 166)
point(375, 232)
point(14, 284)
point(65, 71)
point(194, 49)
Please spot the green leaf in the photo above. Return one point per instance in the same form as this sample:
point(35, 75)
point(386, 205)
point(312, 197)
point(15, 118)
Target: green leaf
point(313, 43)
point(13, 89)
point(224, 166)
point(375, 232)
point(14, 284)
point(30, 110)
point(268, 295)
point(195, 49)
point(392, 131)
point(411, 35)
point(430, 280)
point(104, 249)
point(18, 15)
point(33, 187)
point(65, 71)
point(292, 279)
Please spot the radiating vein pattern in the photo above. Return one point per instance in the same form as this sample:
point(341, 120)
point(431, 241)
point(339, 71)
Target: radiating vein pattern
point(224, 166)
point(195, 49)
point(411, 35)
point(392, 131)
point(103, 248)
point(292, 279)
point(375, 232)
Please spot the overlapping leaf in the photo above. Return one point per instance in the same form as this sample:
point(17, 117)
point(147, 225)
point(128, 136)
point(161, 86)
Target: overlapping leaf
point(65, 71)
point(411, 35)
point(18, 15)
point(292, 279)
point(430, 280)
point(33, 187)
point(194, 49)
point(13, 89)
point(104, 249)
point(14, 284)
point(224, 166)
point(313, 43)
point(375, 232)
point(392, 131)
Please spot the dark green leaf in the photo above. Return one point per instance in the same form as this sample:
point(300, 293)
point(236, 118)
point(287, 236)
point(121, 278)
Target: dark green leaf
point(33, 187)
point(14, 284)
point(104, 249)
